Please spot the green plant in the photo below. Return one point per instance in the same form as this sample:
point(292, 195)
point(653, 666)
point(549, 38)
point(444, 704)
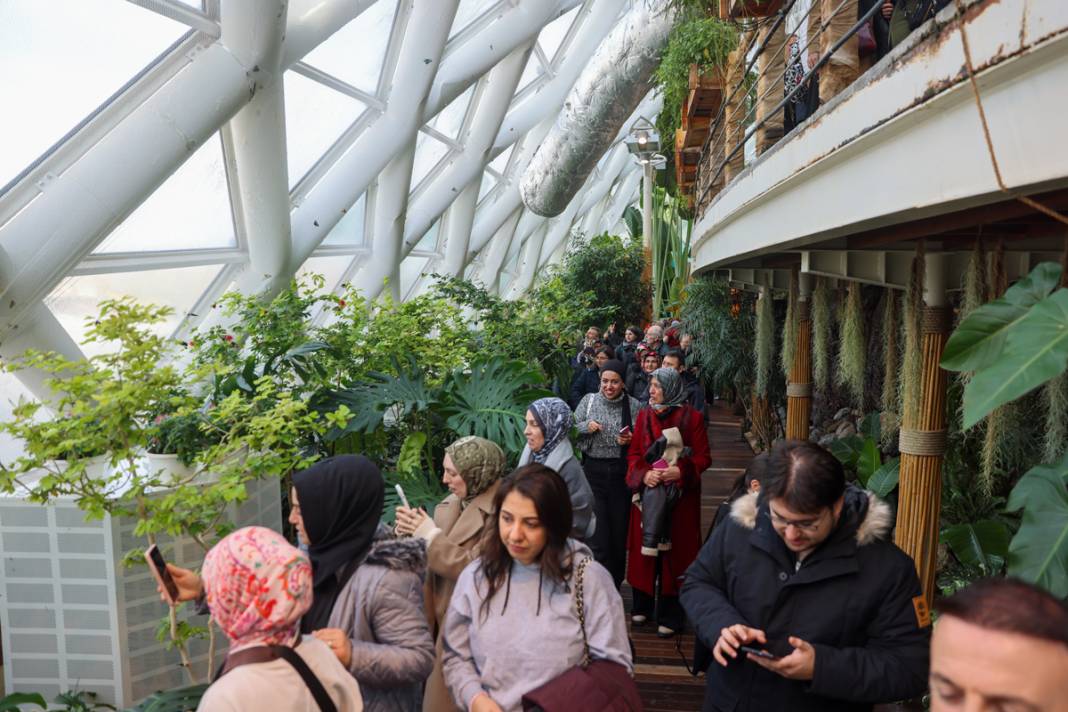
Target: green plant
point(889, 397)
point(1039, 551)
point(983, 544)
point(182, 699)
point(764, 345)
point(723, 326)
point(72, 701)
point(860, 455)
point(851, 347)
point(696, 39)
point(790, 327)
point(670, 252)
point(1055, 395)
point(610, 267)
point(821, 334)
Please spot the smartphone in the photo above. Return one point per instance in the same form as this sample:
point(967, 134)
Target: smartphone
point(773, 650)
point(158, 566)
point(625, 430)
point(403, 499)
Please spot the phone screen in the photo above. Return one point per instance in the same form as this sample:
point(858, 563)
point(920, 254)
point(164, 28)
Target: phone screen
point(155, 558)
point(772, 650)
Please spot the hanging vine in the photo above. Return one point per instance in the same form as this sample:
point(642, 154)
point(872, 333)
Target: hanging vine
point(789, 327)
point(821, 334)
point(911, 320)
point(852, 346)
point(765, 341)
point(1056, 397)
point(889, 401)
point(998, 420)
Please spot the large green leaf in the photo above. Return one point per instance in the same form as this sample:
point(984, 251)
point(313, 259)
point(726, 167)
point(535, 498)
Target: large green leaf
point(411, 453)
point(1035, 351)
point(633, 218)
point(13, 702)
point(980, 338)
point(369, 400)
point(181, 699)
point(983, 544)
point(848, 449)
point(884, 480)
point(491, 401)
point(869, 462)
point(1039, 551)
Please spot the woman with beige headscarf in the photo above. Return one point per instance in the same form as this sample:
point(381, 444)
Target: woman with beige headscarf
point(473, 469)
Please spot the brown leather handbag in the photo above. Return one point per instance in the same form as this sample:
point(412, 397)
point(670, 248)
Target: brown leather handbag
point(590, 686)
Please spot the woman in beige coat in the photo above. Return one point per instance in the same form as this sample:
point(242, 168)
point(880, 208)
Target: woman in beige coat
point(473, 469)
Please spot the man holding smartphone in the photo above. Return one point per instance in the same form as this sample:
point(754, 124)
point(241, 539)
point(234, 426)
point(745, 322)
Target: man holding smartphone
point(803, 599)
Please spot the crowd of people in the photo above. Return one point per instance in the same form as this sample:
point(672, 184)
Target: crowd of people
point(500, 599)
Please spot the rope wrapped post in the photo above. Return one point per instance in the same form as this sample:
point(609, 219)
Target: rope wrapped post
point(923, 436)
point(799, 388)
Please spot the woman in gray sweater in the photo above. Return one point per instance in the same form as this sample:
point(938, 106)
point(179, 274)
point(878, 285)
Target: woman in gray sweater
point(604, 421)
point(511, 625)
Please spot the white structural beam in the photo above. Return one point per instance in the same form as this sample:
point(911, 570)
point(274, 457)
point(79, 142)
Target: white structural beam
point(77, 208)
point(624, 196)
point(496, 251)
point(528, 263)
point(390, 198)
point(43, 332)
point(458, 222)
point(549, 97)
point(497, 90)
point(515, 25)
point(390, 133)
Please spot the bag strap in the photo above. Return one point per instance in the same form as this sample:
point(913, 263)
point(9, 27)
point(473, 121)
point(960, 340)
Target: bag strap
point(269, 653)
point(580, 604)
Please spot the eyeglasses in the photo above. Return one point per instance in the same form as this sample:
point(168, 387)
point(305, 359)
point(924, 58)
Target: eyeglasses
point(805, 525)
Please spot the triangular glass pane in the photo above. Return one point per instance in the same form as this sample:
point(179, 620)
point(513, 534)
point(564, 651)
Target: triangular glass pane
point(356, 53)
point(316, 116)
point(429, 240)
point(190, 211)
point(450, 119)
point(411, 268)
point(12, 392)
point(76, 298)
point(468, 12)
point(55, 73)
point(500, 163)
point(349, 230)
point(530, 73)
point(488, 184)
point(428, 152)
point(552, 35)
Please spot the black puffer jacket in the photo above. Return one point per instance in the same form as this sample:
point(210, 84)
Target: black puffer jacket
point(855, 598)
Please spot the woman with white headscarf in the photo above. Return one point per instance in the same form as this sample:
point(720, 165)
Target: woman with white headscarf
point(547, 429)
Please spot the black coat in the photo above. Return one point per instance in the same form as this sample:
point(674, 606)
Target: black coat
point(855, 599)
point(638, 385)
point(586, 380)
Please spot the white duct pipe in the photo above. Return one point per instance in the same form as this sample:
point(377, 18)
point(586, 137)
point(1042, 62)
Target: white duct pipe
point(606, 93)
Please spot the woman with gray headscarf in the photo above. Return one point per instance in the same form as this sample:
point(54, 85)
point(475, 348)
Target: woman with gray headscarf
point(473, 469)
point(547, 429)
point(669, 449)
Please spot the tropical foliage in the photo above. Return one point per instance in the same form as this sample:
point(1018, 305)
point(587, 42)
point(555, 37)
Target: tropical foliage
point(610, 267)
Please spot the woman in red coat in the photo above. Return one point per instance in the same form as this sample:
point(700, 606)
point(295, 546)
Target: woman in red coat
point(667, 409)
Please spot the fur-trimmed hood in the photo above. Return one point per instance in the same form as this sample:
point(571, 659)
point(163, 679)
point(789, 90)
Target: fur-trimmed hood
point(399, 554)
point(877, 517)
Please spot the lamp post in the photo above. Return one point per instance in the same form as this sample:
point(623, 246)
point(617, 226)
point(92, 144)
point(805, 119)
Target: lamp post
point(644, 142)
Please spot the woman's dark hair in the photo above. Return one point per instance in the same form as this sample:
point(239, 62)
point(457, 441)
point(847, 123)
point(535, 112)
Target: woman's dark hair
point(606, 350)
point(552, 502)
point(804, 476)
point(636, 331)
point(757, 470)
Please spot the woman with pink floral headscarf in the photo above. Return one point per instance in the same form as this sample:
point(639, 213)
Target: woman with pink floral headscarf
point(258, 586)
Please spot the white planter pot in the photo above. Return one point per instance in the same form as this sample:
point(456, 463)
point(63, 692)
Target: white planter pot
point(96, 467)
point(173, 471)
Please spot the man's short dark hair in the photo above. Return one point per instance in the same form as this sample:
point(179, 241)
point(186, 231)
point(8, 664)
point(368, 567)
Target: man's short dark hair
point(1010, 606)
point(804, 476)
point(678, 354)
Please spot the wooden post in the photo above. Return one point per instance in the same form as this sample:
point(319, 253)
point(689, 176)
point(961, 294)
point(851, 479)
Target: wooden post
point(734, 111)
point(799, 388)
point(771, 66)
point(923, 437)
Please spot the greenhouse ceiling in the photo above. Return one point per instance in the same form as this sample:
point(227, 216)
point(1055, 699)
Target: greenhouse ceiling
point(173, 150)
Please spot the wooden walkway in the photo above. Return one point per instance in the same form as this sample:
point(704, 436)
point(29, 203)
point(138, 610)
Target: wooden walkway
point(665, 684)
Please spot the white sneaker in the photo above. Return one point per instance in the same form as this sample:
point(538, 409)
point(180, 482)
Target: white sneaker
point(663, 631)
point(638, 618)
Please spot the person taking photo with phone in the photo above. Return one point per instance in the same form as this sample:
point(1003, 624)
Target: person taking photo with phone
point(473, 469)
point(605, 421)
point(803, 573)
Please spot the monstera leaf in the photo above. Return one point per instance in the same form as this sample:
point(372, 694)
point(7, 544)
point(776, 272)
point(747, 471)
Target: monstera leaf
point(983, 544)
point(980, 338)
point(1039, 551)
point(371, 399)
point(491, 401)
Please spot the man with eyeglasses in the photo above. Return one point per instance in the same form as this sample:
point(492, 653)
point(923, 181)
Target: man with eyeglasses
point(804, 600)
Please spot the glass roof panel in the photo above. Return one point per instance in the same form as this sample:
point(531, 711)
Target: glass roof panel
point(76, 298)
point(198, 4)
point(429, 240)
point(191, 210)
point(12, 391)
point(331, 267)
point(58, 74)
point(552, 35)
point(356, 53)
point(488, 184)
point(500, 163)
point(450, 119)
point(530, 73)
point(316, 116)
point(428, 153)
point(410, 270)
point(468, 12)
point(349, 229)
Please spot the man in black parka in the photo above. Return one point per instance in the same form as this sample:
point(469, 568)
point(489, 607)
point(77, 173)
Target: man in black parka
point(807, 571)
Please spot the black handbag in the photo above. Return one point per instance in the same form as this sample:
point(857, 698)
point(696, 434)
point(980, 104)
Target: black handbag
point(590, 686)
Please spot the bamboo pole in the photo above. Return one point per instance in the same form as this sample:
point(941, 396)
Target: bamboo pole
point(799, 388)
point(923, 437)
